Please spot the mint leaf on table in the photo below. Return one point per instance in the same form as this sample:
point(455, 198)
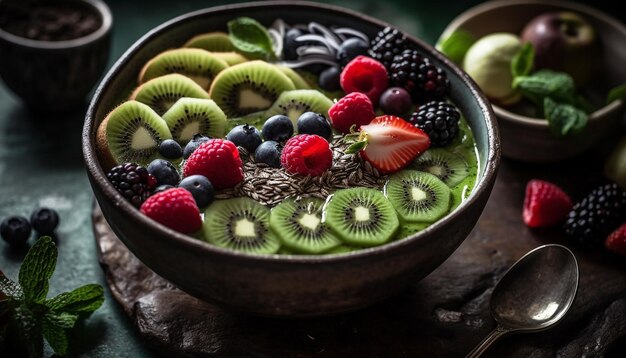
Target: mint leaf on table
point(456, 45)
point(547, 83)
point(563, 118)
point(616, 93)
point(36, 270)
point(522, 62)
point(54, 330)
point(251, 38)
point(85, 299)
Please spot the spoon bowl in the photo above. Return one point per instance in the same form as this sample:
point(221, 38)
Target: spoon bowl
point(534, 294)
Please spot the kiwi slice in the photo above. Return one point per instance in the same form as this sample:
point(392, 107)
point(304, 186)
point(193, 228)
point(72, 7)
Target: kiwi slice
point(212, 41)
point(199, 65)
point(162, 92)
point(240, 224)
point(361, 216)
point(191, 116)
point(231, 58)
point(299, 226)
point(418, 196)
point(451, 168)
point(293, 103)
point(132, 132)
point(297, 80)
point(248, 87)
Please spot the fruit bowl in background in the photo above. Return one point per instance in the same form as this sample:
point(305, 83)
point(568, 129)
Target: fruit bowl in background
point(530, 139)
point(284, 285)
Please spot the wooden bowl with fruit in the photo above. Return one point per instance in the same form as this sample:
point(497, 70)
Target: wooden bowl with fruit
point(276, 158)
point(553, 71)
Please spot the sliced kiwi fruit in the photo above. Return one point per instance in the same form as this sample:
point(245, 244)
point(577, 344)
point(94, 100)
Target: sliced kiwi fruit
point(240, 224)
point(293, 103)
point(450, 167)
point(191, 116)
point(199, 65)
point(162, 92)
point(408, 229)
point(299, 226)
point(132, 132)
point(418, 196)
point(297, 80)
point(212, 41)
point(248, 87)
point(361, 216)
point(231, 58)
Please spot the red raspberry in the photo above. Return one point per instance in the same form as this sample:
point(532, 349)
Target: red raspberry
point(354, 108)
point(365, 75)
point(307, 154)
point(616, 242)
point(174, 208)
point(545, 205)
point(218, 160)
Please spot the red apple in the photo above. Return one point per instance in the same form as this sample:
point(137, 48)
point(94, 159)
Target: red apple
point(564, 41)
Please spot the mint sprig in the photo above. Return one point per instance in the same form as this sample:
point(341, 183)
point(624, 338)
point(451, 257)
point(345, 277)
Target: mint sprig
point(563, 118)
point(523, 61)
point(251, 38)
point(32, 317)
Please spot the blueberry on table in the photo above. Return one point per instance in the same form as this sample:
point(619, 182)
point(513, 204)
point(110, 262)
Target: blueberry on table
point(44, 221)
point(193, 144)
point(15, 230)
point(329, 79)
point(269, 153)
point(278, 128)
point(314, 123)
point(164, 172)
point(245, 136)
point(170, 149)
point(200, 188)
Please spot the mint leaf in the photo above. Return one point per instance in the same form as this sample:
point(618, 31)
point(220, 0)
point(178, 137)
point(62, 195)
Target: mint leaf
point(456, 45)
point(251, 38)
point(546, 83)
point(85, 299)
point(55, 326)
point(564, 119)
point(9, 288)
point(616, 93)
point(37, 268)
point(522, 62)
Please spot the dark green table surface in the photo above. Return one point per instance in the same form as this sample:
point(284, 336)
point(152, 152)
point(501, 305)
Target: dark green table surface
point(41, 162)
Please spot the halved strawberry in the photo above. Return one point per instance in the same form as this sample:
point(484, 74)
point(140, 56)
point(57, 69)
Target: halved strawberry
point(389, 143)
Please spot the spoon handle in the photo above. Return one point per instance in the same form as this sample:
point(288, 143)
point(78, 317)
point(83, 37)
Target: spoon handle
point(498, 332)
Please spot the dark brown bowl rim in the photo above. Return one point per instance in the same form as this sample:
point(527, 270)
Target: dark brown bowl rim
point(98, 175)
point(98, 5)
point(601, 113)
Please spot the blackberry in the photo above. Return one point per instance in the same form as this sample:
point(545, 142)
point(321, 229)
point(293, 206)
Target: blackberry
point(421, 78)
point(596, 216)
point(387, 45)
point(440, 120)
point(133, 182)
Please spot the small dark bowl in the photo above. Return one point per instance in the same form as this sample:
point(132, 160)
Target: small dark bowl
point(54, 76)
point(277, 285)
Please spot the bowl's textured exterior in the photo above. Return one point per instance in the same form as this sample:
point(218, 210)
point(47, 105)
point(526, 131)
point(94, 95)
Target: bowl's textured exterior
point(287, 286)
point(53, 76)
point(529, 139)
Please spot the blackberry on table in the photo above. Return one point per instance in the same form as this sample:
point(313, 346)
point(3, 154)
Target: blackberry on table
point(418, 75)
point(387, 44)
point(597, 215)
point(440, 120)
point(133, 182)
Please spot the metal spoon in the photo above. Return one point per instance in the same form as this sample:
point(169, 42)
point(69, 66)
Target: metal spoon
point(534, 294)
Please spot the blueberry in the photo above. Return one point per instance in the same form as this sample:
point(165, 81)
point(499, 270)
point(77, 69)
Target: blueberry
point(201, 189)
point(290, 45)
point(278, 128)
point(194, 143)
point(269, 153)
point(395, 101)
point(246, 136)
point(161, 188)
point(15, 230)
point(329, 79)
point(314, 123)
point(44, 221)
point(170, 149)
point(350, 49)
point(164, 172)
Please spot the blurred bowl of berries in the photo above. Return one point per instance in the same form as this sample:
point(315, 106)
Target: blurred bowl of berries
point(53, 52)
point(552, 70)
point(289, 159)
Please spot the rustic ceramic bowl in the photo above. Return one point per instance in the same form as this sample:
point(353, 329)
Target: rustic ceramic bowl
point(276, 285)
point(529, 139)
point(53, 76)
